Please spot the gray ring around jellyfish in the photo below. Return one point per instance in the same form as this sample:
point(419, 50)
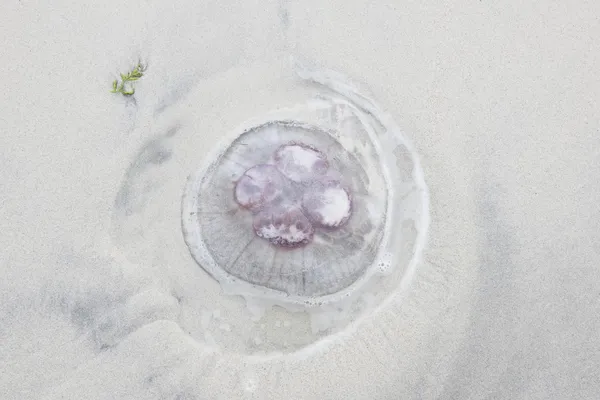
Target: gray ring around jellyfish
point(295, 211)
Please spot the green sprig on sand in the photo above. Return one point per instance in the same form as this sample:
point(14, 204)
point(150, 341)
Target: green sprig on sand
point(126, 86)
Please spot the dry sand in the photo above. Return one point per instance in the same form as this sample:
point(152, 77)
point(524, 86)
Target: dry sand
point(500, 99)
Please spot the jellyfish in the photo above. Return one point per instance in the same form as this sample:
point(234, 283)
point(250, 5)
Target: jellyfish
point(287, 209)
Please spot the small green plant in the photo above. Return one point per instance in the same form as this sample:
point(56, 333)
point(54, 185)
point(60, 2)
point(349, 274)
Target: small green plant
point(126, 85)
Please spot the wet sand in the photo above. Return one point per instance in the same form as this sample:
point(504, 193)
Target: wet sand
point(500, 102)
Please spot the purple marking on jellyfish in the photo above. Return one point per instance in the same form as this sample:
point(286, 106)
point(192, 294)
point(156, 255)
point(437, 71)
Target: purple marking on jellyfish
point(327, 205)
point(285, 227)
point(300, 162)
point(286, 213)
point(259, 186)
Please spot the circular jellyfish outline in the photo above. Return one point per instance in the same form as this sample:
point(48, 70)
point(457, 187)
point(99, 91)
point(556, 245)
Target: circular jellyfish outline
point(234, 285)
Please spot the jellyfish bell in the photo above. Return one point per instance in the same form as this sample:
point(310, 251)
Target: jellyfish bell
point(298, 233)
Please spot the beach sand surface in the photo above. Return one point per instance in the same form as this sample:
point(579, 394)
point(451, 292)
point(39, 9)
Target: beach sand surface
point(501, 101)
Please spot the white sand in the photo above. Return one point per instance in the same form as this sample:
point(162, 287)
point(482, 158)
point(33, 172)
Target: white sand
point(501, 99)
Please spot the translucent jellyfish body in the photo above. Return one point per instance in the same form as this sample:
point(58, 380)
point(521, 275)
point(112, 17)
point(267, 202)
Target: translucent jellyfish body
point(286, 208)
